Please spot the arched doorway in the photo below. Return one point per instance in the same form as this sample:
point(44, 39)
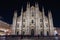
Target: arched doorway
point(32, 32)
point(47, 33)
point(41, 33)
point(17, 32)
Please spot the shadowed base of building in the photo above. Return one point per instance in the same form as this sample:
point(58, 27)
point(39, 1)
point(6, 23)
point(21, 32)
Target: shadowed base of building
point(29, 37)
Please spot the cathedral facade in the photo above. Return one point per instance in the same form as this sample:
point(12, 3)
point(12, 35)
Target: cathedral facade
point(32, 22)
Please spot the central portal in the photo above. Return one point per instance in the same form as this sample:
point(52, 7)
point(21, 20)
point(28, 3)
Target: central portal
point(32, 32)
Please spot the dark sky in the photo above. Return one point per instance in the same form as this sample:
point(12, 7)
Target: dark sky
point(7, 8)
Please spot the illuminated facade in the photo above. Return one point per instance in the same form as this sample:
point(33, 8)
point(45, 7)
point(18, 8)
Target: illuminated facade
point(4, 28)
point(32, 22)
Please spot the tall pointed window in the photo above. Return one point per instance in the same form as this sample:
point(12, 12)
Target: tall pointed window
point(32, 21)
point(32, 14)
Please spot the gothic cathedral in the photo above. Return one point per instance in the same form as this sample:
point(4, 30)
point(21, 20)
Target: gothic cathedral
point(32, 22)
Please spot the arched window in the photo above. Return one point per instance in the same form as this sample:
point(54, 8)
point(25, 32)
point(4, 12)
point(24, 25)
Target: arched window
point(32, 21)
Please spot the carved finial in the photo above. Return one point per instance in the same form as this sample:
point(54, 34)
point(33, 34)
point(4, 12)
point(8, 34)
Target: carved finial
point(42, 9)
point(28, 4)
point(15, 13)
point(49, 14)
point(36, 4)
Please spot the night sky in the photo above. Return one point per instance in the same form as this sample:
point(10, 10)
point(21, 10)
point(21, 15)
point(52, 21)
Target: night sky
point(7, 8)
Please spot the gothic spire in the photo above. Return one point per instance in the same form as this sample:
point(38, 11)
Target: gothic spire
point(36, 4)
point(43, 11)
point(21, 10)
point(28, 4)
point(49, 14)
point(15, 13)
